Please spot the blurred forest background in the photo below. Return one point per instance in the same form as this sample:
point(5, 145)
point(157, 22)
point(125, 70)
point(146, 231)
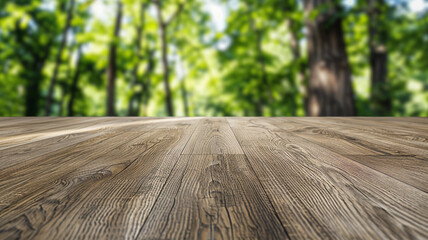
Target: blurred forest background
point(213, 57)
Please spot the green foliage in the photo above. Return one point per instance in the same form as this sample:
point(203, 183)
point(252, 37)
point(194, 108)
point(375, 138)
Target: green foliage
point(407, 66)
point(247, 68)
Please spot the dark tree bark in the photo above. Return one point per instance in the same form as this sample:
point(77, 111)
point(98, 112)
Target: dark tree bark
point(163, 25)
point(73, 89)
point(58, 59)
point(33, 75)
point(295, 49)
point(32, 88)
point(61, 102)
point(378, 34)
point(184, 96)
point(264, 78)
point(258, 108)
point(330, 89)
point(144, 95)
point(262, 63)
point(111, 69)
point(134, 110)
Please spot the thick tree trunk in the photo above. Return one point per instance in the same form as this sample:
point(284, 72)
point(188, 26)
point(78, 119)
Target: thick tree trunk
point(380, 97)
point(330, 89)
point(111, 70)
point(58, 59)
point(73, 90)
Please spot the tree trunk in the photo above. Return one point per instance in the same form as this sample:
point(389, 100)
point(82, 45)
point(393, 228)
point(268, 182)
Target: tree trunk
point(264, 78)
point(111, 70)
point(33, 76)
point(330, 89)
point(261, 60)
point(258, 106)
point(131, 108)
point(183, 89)
point(58, 58)
point(32, 89)
point(144, 95)
point(73, 90)
point(62, 100)
point(162, 28)
point(184, 96)
point(295, 49)
point(380, 97)
point(165, 64)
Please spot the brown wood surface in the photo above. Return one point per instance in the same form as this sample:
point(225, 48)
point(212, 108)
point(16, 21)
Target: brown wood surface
point(213, 178)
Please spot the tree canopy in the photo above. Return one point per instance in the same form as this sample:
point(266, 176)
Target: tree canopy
point(213, 58)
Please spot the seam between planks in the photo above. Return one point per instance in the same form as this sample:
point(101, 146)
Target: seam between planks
point(213, 154)
point(362, 130)
point(258, 179)
point(349, 159)
point(166, 181)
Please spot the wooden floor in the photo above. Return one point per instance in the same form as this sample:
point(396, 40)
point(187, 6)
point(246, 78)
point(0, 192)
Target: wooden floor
point(214, 178)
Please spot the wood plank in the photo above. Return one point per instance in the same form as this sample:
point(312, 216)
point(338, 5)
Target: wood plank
point(213, 197)
point(344, 199)
point(31, 129)
point(329, 138)
point(15, 154)
point(404, 135)
point(213, 136)
point(27, 177)
point(213, 178)
point(407, 169)
point(20, 179)
point(14, 123)
point(408, 123)
point(90, 199)
point(368, 142)
point(402, 123)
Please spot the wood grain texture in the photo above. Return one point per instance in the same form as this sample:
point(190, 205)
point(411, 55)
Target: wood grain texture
point(213, 136)
point(213, 178)
point(336, 190)
point(213, 196)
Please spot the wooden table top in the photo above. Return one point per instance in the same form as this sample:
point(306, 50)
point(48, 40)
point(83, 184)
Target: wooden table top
point(214, 178)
